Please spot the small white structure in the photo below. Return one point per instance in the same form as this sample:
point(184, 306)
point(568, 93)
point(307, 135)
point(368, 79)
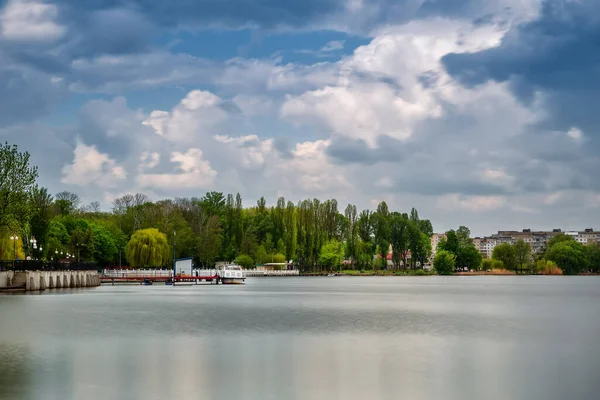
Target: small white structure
point(183, 266)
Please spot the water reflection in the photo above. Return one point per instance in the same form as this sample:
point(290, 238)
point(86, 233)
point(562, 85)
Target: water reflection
point(299, 340)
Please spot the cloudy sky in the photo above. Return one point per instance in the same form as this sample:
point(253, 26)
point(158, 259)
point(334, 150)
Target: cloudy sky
point(477, 112)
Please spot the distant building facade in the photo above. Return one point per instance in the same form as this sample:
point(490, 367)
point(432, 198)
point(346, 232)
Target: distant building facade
point(538, 240)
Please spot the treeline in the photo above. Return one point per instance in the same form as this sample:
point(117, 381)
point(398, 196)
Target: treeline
point(312, 233)
point(563, 255)
point(315, 234)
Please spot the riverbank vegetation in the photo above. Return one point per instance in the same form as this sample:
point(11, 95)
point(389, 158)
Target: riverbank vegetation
point(315, 234)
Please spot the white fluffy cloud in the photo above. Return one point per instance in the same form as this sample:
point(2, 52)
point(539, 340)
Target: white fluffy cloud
point(30, 20)
point(192, 172)
point(193, 117)
point(390, 85)
point(90, 167)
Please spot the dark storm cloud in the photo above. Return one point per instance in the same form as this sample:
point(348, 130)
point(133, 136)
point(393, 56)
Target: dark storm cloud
point(26, 94)
point(558, 54)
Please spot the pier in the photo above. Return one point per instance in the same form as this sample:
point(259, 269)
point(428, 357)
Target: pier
point(38, 275)
point(162, 275)
point(115, 276)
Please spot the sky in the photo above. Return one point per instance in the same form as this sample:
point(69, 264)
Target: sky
point(481, 113)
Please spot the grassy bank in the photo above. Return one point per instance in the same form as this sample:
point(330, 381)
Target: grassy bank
point(418, 272)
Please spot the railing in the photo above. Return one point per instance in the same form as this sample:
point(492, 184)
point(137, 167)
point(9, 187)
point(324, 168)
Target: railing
point(152, 273)
point(252, 272)
point(38, 265)
point(165, 273)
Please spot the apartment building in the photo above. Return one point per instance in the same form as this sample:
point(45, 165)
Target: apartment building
point(435, 240)
point(539, 239)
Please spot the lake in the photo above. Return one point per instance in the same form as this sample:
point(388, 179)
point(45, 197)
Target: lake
point(501, 337)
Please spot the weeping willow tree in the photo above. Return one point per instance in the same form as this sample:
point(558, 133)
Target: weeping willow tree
point(8, 247)
point(148, 248)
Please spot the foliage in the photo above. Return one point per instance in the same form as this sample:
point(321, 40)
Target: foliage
point(382, 230)
point(245, 261)
point(505, 252)
point(278, 258)
point(450, 242)
point(561, 237)
point(41, 215)
point(569, 255)
point(469, 257)
point(148, 248)
point(17, 184)
point(9, 248)
point(58, 238)
point(331, 255)
point(399, 237)
point(547, 267)
point(66, 203)
point(593, 253)
point(444, 262)
point(105, 249)
point(212, 227)
point(522, 253)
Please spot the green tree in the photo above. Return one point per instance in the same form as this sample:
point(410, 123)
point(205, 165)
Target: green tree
point(561, 237)
point(11, 249)
point(522, 253)
point(505, 252)
point(277, 258)
point(443, 262)
point(570, 256)
point(290, 235)
point(382, 231)
point(58, 239)
point(209, 241)
point(66, 203)
point(469, 257)
point(105, 248)
point(351, 234)
point(148, 248)
point(399, 237)
point(593, 253)
point(214, 203)
point(17, 185)
point(261, 255)
point(82, 242)
point(41, 216)
point(463, 235)
point(332, 255)
point(245, 261)
point(450, 243)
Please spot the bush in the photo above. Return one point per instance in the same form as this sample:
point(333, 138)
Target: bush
point(488, 264)
point(278, 258)
point(245, 261)
point(547, 267)
point(444, 262)
point(497, 264)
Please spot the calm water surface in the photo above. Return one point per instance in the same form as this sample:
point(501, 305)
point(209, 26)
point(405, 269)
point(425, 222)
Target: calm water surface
point(307, 338)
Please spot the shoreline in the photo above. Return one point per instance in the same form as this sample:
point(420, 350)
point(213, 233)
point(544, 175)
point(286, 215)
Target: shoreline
point(414, 273)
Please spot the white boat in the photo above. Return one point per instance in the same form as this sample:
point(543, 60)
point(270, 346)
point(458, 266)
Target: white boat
point(231, 274)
